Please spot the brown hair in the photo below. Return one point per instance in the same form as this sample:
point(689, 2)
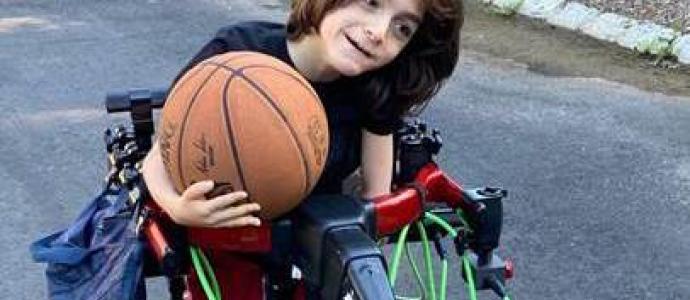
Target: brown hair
point(418, 72)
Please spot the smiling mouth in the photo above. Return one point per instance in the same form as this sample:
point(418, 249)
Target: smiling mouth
point(365, 52)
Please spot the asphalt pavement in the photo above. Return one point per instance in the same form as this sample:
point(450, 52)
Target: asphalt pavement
point(598, 172)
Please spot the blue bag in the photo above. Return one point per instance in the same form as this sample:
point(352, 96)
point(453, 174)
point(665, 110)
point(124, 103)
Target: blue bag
point(99, 256)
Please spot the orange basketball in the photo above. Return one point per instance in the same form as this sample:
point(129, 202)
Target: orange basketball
point(249, 122)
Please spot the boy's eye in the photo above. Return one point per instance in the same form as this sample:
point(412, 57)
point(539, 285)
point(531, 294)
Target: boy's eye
point(404, 30)
point(372, 3)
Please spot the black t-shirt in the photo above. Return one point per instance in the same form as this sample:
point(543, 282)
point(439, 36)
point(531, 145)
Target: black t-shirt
point(342, 100)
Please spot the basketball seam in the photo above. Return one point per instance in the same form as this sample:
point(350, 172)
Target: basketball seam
point(296, 78)
point(233, 143)
point(182, 81)
point(184, 121)
point(185, 78)
point(293, 134)
point(311, 89)
point(234, 57)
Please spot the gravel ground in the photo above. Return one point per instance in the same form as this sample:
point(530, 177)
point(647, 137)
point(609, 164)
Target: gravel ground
point(672, 13)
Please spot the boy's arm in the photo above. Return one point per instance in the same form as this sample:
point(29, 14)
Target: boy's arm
point(157, 182)
point(377, 164)
point(192, 208)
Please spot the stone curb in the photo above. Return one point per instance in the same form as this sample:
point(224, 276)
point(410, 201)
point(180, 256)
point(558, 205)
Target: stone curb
point(641, 36)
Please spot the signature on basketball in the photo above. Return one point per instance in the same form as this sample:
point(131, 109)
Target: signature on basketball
point(317, 137)
point(205, 155)
point(168, 132)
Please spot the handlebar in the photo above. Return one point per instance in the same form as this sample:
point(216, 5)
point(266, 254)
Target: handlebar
point(140, 104)
point(124, 101)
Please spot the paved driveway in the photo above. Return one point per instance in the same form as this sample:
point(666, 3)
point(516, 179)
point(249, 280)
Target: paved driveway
point(598, 172)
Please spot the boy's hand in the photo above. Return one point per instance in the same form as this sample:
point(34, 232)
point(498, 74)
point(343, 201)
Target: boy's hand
point(227, 210)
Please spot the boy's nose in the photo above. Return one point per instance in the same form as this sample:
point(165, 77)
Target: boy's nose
point(376, 31)
point(373, 37)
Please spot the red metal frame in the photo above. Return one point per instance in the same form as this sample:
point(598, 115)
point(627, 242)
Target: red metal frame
point(232, 252)
point(395, 210)
point(240, 276)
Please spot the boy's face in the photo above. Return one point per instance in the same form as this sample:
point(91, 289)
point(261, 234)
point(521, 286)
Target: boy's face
point(364, 35)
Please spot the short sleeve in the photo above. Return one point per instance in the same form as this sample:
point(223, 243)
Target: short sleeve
point(215, 46)
point(383, 120)
point(240, 36)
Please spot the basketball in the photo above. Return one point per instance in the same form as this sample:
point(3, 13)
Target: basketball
point(249, 122)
